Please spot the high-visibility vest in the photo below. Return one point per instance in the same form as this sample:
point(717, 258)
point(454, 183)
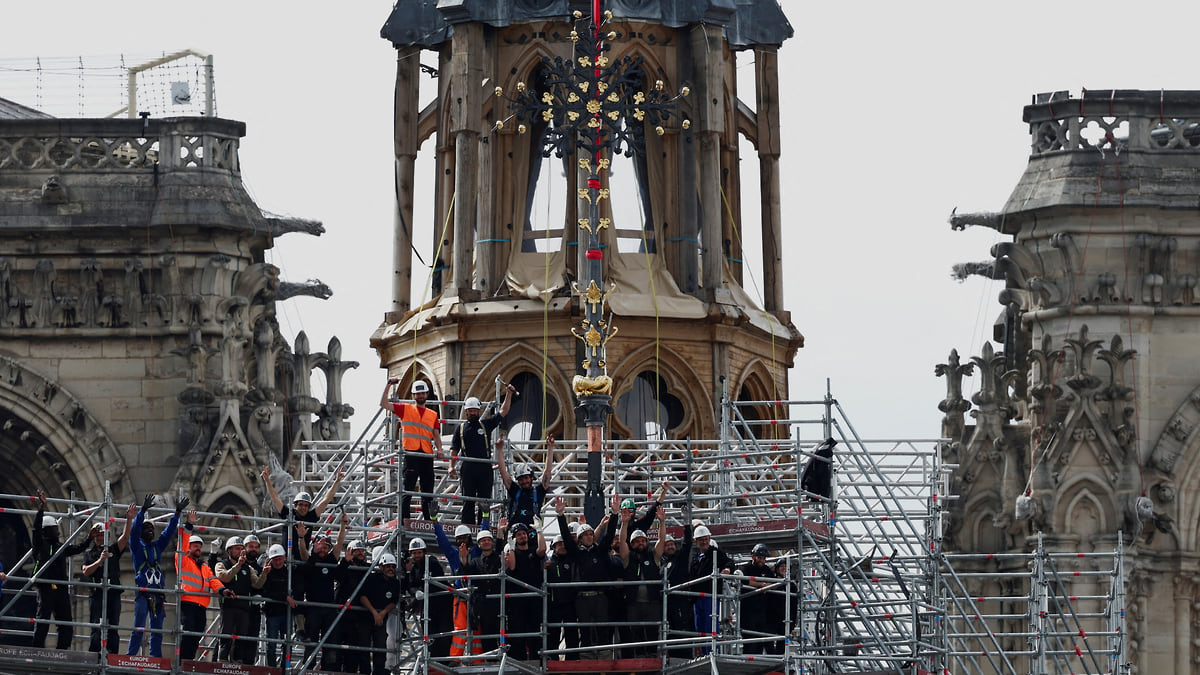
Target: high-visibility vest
point(417, 427)
point(195, 579)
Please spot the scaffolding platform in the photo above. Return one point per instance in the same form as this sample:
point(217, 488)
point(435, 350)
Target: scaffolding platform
point(866, 586)
point(728, 665)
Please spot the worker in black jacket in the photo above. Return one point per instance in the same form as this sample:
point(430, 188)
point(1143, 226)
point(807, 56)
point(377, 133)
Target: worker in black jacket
point(594, 566)
point(754, 600)
point(353, 626)
point(523, 562)
point(50, 564)
point(485, 593)
point(643, 603)
point(560, 601)
point(705, 557)
point(680, 607)
point(418, 565)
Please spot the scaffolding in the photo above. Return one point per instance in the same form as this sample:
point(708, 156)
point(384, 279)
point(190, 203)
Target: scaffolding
point(861, 582)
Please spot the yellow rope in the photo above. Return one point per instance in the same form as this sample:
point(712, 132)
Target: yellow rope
point(657, 338)
point(738, 235)
point(437, 254)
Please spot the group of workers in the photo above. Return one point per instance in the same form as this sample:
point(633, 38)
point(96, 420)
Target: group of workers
point(594, 578)
point(604, 586)
point(250, 588)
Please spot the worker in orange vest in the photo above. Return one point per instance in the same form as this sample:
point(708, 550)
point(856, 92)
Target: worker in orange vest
point(420, 432)
point(198, 583)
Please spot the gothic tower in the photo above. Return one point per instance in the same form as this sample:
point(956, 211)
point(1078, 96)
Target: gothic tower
point(507, 255)
point(1085, 424)
point(138, 340)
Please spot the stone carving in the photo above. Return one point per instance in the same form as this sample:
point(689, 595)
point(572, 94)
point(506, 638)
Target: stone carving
point(267, 346)
point(135, 291)
point(233, 345)
point(1177, 435)
point(302, 403)
point(91, 291)
point(954, 405)
point(7, 292)
point(172, 289)
point(961, 221)
point(1156, 272)
point(53, 191)
point(334, 412)
point(313, 288)
point(44, 310)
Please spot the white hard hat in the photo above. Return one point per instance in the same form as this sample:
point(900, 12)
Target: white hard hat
point(250, 538)
point(357, 544)
point(462, 530)
point(584, 528)
point(417, 544)
point(484, 534)
point(420, 387)
point(233, 541)
point(669, 538)
point(472, 403)
point(556, 540)
point(99, 526)
point(387, 559)
point(574, 528)
point(193, 540)
point(276, 551)
point(701, 531)
point(525, 470)
point(636, 534)
point(49, 521)
point(302, 497)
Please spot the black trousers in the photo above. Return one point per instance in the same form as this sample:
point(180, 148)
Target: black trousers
point(641, 612)
point(591, 607)
point(556, 635)
point(193, 619)
point(476, 482)
point(95, 610)
point(352, 631)
point(680, 617)
point(316, 624)
point(54, 600)
point(417, 468)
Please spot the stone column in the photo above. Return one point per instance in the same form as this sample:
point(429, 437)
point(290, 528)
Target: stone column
point(766, 60)
point(708, 50)
point(407, 144)
point(466, 73)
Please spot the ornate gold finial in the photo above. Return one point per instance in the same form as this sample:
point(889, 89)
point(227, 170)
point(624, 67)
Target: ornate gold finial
point(590, 386)
point(585, 164)
point(603, 194)
point(585, 61)
point(585, 193)
point(499, 91)
point(593, 296)
point(604, 163)
point(604, 223)
point(585, 224)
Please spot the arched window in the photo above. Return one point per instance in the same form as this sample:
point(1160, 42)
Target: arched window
point(528, 416)
point(547, 191)
point(649, 409)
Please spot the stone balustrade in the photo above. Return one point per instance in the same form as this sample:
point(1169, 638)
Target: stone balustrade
point(1157, 121)
point(116, 145)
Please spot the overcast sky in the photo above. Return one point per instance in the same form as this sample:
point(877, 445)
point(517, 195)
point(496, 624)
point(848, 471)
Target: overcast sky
point(893, 114)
